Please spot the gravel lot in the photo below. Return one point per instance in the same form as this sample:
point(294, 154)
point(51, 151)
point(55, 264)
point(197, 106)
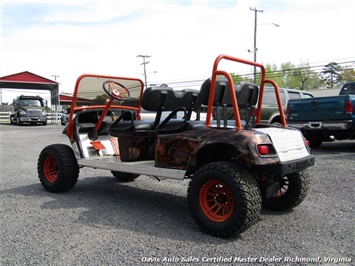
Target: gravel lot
point(104, 222)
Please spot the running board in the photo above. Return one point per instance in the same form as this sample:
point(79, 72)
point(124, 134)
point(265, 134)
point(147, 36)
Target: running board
point(113, 163)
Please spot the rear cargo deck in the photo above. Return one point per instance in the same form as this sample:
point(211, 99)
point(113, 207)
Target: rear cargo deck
point(114, 163)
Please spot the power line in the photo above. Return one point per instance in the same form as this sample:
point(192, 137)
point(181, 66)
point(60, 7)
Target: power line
point(276, 73)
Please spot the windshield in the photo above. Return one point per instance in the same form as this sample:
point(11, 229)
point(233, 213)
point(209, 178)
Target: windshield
point(90, 91)
point(30, 102)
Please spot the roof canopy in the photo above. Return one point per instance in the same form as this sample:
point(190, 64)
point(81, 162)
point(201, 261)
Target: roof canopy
point(28, 80)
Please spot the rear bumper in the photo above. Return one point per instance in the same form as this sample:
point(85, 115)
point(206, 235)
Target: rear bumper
point(321, 125)
point(287, 168)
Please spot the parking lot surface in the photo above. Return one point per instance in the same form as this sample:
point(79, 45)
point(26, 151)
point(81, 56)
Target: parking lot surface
point(103, 222)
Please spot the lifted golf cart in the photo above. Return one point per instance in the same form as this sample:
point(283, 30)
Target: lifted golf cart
point(236, 166)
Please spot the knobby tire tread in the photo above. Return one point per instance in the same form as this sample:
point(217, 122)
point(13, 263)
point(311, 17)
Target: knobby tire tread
point(297, 192)
point(67, 166)
point(248, 192)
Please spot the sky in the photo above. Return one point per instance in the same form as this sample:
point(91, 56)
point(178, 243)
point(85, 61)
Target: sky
point(61, 40)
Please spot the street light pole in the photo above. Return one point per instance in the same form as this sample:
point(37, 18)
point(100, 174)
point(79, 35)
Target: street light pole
point(145, 72)
point(255, 26)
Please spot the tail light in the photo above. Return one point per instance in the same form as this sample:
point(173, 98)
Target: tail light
point(306, 142)
point(266, 149)
point(348, 107)
point(263, 149)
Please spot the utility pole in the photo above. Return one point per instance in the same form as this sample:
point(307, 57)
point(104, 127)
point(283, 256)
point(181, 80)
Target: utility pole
point(145, 72)
point(55, 77)
point(255, 25)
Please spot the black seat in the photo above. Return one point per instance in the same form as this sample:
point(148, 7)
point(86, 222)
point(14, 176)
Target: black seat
point(246, 94)
point(158, 99)
point(182, 98)
point(153, 100)
point(127, 122)
point(178, 101)
point(221, 85)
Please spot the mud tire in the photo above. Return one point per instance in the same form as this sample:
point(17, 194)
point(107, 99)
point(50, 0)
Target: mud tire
point(293, 190)
point(124, 177)
point(232, 193)
point(315, 142)
point(57, 168)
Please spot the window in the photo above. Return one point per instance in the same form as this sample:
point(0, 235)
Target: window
point(349, 89)
point(31, 102)
point(270, 96)
point(294, 95)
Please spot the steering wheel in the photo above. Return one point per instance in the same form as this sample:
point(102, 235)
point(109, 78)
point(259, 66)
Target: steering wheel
point(116, 90)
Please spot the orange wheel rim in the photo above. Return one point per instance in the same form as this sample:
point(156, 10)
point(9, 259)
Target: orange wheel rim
point(284, 185)
point(51, 168)
point(216, 201)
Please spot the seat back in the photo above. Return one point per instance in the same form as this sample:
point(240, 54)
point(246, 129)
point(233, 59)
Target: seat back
point(178, 101)
point(246, 93)
point(221, 87)
point(185, 98)
point(154, 98)
point(163, 98)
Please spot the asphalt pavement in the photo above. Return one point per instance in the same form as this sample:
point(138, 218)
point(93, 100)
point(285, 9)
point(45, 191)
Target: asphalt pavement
point(146, 222)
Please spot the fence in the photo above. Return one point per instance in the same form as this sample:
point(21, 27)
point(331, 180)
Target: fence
point(51, 117)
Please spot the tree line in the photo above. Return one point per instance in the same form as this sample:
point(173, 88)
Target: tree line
point(303, 77)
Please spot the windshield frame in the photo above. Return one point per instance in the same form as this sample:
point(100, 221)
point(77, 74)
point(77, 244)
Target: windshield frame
point(84, 93)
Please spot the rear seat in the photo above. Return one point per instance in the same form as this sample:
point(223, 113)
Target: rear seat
point(246, 93)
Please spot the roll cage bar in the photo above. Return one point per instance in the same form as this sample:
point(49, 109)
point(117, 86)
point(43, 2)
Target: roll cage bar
point(217, 72)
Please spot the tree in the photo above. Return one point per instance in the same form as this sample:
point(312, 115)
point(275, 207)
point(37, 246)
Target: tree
point(331, 74)
point(302, 76)
point(287, 72)
point(314, 82)
point(348, 74)
point(306, 79)
point(271, 73)
point(238, 78)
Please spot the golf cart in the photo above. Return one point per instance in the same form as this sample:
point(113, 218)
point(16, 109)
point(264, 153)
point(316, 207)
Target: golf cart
point(235, 164)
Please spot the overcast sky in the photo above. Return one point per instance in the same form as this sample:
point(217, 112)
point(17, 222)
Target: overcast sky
point(69, 38)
